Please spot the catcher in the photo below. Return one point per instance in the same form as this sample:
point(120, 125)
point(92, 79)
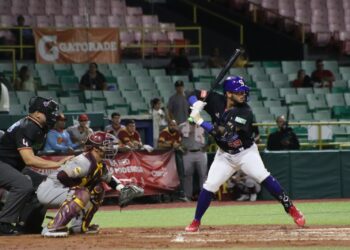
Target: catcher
point(76, 188)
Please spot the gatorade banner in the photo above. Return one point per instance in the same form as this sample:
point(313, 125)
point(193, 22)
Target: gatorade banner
point(155, 172)
point(80, 45)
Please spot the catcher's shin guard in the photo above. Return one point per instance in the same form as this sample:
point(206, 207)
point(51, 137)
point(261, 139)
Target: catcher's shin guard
point(82, 224)
point(69, 209)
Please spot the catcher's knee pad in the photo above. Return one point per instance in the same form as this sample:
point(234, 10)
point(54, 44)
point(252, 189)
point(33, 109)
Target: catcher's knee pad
point(97, 195)
point(70, 208)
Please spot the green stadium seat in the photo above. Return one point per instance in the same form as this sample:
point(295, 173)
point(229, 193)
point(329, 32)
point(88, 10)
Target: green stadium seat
point(143, 79)
point(69, 80)
point(48, 94)
point(132, 96)
point(74, 107)
point(321, 91)
point(300, 109)
point(197, 72)
point(292, 76)
point(80, 67)
point(148, 95)
point(111, 80)
point(295, 99)
point(13, 97)
point(190, 85)
point(322, 115)
point(270, 94)
point(69, 100)
point(264, 117)
point(137, 108)
point(17, 109)
point(272, 103)
point(105, 71)
point(121, 110)
point(43, 67)
point(157, 72)
point(163, 80)
point(347, 98)
point(304, 91)
point(263, 84)
point(261, 77)
point(120, 72)
point(279, 78)
point(116, 66)
point(303, 116)
point(66, 86)
point(316, 101)
point(308, 66)
point(99, 106)
point(286, 91)
point(277, 111)
point(139, 72)
point(93, 95)
point(341, 112)
point(331, 65)
point(271, 64)
point(174, 78)
point(281, 84)
point(335, 99)
point(256, 71)
point(273, 71)
point(147, 86)
point(24, 96)
point(133, 66)
point(215, 71)
point(256, 104)
point(7, 67)
point(126, 83)
point(289, 67)
point(260, 110)
point(344, 70)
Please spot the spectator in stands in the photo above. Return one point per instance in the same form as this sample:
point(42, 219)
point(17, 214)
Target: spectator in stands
point(180, 64)
point(93, 79)
point(243, 60)
point(58, 139)
point(178, 104)
point(170, 137)
point(322, 77)
point(27, 37)
point(115, 127)
point(80, 132)
point(25, 81)
point(129, 135)
point(159, 118)
point(302, 80)
point(243, 187)
point(284, 138)
point(216, 60)
point(4, 99)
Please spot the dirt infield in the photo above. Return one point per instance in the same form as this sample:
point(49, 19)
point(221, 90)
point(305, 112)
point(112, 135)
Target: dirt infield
point(175, 238)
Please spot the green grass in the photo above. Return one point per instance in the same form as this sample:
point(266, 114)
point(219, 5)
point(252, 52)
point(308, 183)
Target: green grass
point(321, 213)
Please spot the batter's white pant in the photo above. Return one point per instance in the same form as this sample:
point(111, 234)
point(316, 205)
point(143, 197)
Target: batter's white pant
point(225, 165)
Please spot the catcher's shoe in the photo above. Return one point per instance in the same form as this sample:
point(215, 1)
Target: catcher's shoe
point(193, 227)
point(92, 229)
point(297, 216)
point(55, 233)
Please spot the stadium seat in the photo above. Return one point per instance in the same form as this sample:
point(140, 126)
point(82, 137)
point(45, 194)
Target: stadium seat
point(289, 67)
point(304, 91)
point(270, 94)
point(202, 85)
point(163, 80)
point(277, 111)
point(295, 99)
point(316, 101)
point(303, 116)
point(69, 100)
point(285, 91)
point(269, 103)
point(24, 96)
point(335, 100)
point(322, 115)
point(74, 107)
point(126, 83)
point(261, 110)
point(263, 84)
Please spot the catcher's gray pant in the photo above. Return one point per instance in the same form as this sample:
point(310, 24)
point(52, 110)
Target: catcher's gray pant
point(194, 161)
point(53, 195)
point(20, 190)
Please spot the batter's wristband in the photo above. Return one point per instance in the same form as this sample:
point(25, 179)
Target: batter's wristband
point(192, 99)
point(207, 126)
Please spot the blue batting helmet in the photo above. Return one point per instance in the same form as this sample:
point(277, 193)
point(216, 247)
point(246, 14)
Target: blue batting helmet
point(235, 84)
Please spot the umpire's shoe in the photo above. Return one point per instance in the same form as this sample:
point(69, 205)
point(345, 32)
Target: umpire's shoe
point(297, 216)
point(55, 233)
point(8, 229)
point(193, 227)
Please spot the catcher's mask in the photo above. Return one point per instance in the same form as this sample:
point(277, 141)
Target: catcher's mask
point(104, 141)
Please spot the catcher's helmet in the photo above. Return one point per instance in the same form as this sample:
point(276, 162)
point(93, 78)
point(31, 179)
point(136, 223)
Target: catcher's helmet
point(46, 106)
point(235, 84)
point(103, 141)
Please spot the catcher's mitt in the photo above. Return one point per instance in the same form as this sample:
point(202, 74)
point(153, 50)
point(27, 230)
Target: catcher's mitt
point(128, 193)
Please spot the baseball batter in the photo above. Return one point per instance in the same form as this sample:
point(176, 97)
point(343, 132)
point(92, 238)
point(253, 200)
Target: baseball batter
point(232, 129)
point(76, 188)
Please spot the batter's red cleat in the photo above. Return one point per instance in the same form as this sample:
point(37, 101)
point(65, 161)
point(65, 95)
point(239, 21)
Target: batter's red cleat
point(297, 216)
point(193, 227)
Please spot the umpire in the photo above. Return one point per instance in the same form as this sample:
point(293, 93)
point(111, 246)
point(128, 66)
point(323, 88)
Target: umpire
point(17, 149)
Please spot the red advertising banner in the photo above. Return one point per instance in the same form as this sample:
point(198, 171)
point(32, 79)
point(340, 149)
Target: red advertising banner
point(155, 172)
point(80, 45)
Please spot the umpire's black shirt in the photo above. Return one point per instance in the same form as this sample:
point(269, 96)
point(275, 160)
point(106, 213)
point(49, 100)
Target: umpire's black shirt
point(25, 133)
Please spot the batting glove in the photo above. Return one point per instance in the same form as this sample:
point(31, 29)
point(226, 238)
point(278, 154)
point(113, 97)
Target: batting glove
point(195, 116)
point(198, 106)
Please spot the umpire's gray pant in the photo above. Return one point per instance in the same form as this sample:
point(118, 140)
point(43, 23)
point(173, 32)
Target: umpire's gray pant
point(20, 190)
point(194, 161)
